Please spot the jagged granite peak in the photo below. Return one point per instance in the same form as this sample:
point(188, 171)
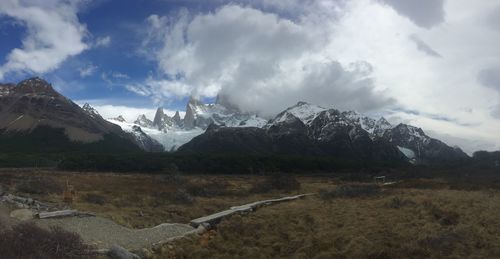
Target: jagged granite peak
point(194, 107)
point(162, 121)
point(91, 111)
point(143, 121)
point(189, 120)
point(158, 117)
point(177, 119)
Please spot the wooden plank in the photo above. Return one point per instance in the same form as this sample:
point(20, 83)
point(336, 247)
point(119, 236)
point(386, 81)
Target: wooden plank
point(242, 208)
point(212, 217)
point(60, 213)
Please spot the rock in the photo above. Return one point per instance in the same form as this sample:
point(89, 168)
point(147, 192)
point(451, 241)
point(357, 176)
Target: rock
point(22, 214)
point(118, 252)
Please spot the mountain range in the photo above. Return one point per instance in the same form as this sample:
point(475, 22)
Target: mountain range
point(219, 128)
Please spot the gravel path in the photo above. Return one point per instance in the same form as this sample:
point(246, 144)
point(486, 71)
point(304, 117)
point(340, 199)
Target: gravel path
point(103, 232)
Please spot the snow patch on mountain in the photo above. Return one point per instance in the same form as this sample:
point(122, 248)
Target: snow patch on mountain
point(170, 140)
point(407, 152)
point(303, 111)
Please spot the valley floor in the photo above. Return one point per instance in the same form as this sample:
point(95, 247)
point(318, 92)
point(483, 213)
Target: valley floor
point(414, 218)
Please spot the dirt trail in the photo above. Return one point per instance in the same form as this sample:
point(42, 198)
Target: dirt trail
point(104, 232)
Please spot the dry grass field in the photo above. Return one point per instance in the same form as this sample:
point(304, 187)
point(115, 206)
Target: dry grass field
point(415, 218)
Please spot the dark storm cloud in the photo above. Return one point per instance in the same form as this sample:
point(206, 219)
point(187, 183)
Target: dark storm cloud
point(424, 13)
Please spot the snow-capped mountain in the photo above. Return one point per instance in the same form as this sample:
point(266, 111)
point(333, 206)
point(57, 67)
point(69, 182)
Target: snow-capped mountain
point(308, 112)
point(310, 129)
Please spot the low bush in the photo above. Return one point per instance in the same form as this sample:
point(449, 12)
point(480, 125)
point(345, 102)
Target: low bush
point(350, 191)
point(276, 182)
point(39, 185)
point(26, 240)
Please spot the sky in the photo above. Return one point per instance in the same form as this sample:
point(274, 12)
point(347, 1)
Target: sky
point(434, 64)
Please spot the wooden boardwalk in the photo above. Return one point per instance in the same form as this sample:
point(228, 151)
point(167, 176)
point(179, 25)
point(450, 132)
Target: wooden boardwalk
point(213, 218)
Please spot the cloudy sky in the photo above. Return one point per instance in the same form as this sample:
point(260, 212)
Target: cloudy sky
point(431, 63)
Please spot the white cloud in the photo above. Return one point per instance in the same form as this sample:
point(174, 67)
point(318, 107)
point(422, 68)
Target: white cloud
point(53, 34)
point(114, 77)
point(102, 42)
point(260, 61)
point(88, 70)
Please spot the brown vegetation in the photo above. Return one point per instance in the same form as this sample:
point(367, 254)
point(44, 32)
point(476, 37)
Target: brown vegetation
point(394, 223)
point(414, 218)
point(26, 240)
point(39, 185)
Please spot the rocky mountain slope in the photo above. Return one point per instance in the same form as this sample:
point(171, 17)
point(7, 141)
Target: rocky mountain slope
point(33, 104)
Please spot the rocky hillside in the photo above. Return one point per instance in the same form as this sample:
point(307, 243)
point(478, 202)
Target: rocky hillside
point(34, 104)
